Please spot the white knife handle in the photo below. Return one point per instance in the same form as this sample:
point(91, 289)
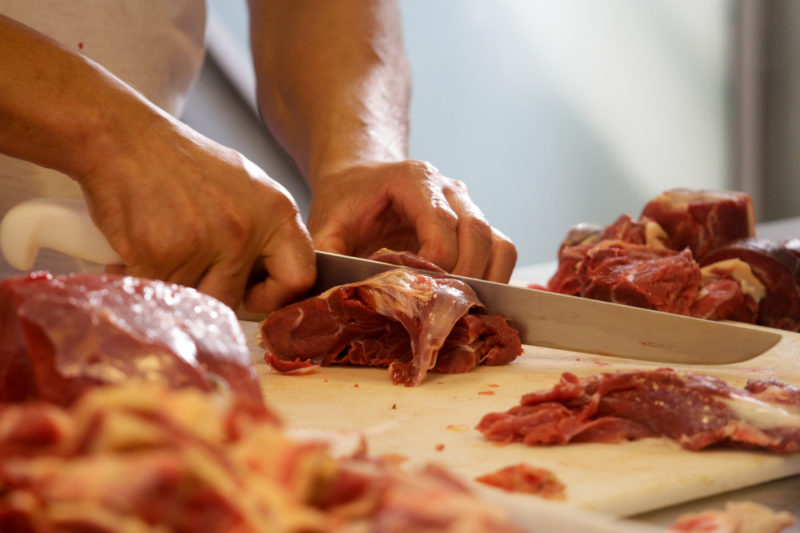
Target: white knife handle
point(60, 224)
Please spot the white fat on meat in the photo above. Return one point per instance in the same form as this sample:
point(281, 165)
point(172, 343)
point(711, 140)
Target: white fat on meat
point(760, 414)
point(654, 235)
point(741, 272)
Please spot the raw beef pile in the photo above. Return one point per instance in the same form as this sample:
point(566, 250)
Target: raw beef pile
point(689, 252)
point(407, 320)
point(147, 459)
point(694, 410)
point(63, 334)
point(131, 406)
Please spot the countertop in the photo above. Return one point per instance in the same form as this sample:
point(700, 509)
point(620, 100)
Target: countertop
point(781, 494)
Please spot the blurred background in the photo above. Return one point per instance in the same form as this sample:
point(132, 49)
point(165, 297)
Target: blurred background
point(555, 113)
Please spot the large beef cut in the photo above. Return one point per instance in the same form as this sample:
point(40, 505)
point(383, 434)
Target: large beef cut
point(778, 270)
point(695, 410)
point(690, 252)
point(60, 335)
point(702, 220)
point(410, 321)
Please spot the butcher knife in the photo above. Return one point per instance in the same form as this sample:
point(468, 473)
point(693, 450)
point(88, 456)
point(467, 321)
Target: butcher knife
point(542, 318)
point(578, 324)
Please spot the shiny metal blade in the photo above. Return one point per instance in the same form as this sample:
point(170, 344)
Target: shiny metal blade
point(584, 325)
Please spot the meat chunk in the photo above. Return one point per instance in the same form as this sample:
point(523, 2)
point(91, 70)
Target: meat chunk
point(695, 410)
point(60, 335)
point(702, 220)
point(639, 275)
point(777, 269)
point(404, 319)
point(728, 291)
point(145, 458)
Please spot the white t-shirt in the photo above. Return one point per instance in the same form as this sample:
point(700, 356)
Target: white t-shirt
point(156, 46)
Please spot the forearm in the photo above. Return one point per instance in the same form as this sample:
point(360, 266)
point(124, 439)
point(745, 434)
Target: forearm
point(58, 108)
point(332, 80)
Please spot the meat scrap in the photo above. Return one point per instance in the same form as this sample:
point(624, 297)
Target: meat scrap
point(526, 478)
point(634, 261)
point(737, 517)
point(696, 411)
point(62, 335)
point(409, 321)
point(145, 458)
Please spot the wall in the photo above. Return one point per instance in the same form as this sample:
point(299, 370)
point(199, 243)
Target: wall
point(553, 113)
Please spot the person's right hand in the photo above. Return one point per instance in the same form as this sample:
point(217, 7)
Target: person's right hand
point(178, 207)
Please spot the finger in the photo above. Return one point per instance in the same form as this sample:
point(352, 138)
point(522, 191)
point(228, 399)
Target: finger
point(291, 267)
point(474, 234)
point(333, 237)
point(226, 281)
point(187, 272)
point(502, 259)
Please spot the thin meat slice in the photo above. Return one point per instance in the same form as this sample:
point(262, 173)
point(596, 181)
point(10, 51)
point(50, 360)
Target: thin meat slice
point(695, 410)
point(400, 318)
point(702, 220)
point(60, 335)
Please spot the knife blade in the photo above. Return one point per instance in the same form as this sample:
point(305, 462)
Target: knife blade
point(578, 324)
point(542, 318)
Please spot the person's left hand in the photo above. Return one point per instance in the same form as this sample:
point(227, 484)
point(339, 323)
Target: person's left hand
point(407, 206)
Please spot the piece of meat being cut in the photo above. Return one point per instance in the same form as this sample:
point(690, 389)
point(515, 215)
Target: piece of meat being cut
point(60, 335)
point(778, 269)
point(697, 411)
point(409, 321)
point(702, 220)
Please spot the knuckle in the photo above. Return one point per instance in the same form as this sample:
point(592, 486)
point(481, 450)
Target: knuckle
point(504, 247)
point(478, 228)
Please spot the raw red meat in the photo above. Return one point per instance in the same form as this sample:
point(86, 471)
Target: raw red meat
point(779, 271)
point(60, 335)
point(632, 261)
point(144, 458)
point(792, 245)
point(737, 517)
point(640, 276)
point(566, 280)
point(404, 319)
point(702, 220)
point(583, 233)
point(697, 411)
point(644, 231)
point(528, 479)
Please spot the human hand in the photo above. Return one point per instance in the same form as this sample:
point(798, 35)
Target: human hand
point(178, 207)
point(410, 206)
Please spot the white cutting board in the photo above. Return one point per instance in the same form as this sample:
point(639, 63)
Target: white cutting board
point(613, 479)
